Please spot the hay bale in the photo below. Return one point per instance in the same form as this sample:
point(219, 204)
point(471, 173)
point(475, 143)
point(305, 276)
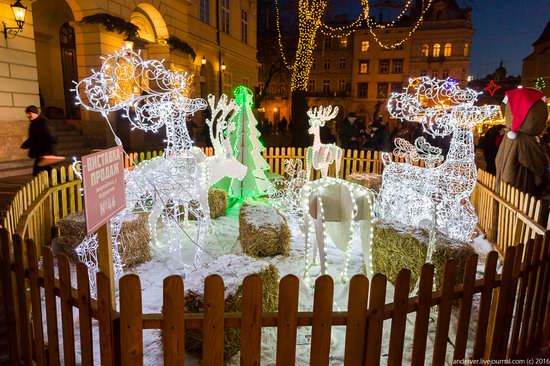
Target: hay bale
point(134, 237)
point(263, 231)
point(369, 180)
point(233, 269)
point(395, 247)
point(217, 201)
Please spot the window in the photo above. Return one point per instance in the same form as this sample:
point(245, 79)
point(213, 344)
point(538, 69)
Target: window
point(342, 63)
point(342, 85)
point(436, 50)
point(466, 49)
point(327, 63)
point(246, 82)
point(261, 87)
point(434, 73)
point(396, 87)
point(343, 42)
point(425, 50)
point(447, 50)
point(311, 86)
point(423, 73)
point(227, 83)
point(326, 86)
point(362, 90)
point(225, 16)
point(328, 42)
point(397, 66)
point(399, 47)
point(384, 66)
point(382, 90)
point(244, 26)
point(204, 11)
point(364, 46)
point(445, 74)
point(363, 67)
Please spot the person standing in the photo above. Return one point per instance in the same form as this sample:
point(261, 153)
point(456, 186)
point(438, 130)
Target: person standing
point(349, 132)
point(41, 141)
point(490, 144)
point(284, 124)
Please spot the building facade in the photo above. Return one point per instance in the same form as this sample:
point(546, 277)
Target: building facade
point(55, 47)
point(536, 66)
point(358, 74)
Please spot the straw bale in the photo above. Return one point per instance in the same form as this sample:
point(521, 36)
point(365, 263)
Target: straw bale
point(263, 231)
point(217, 201)
point(134, 237)
point(395, 247)
point(233, 269)
point(369, 180)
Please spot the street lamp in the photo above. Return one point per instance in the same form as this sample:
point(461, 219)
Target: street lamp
point(19, 12)
point(203, 61)
point(223, 66)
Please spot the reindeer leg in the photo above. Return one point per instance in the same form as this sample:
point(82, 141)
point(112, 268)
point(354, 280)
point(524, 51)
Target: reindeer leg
point(153, 219)
point(338, 158)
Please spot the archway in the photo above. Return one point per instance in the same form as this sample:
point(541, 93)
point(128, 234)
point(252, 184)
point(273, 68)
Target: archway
point(56, 56)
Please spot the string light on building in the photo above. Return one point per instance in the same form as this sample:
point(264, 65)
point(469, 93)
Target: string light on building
point(310, 17)
point(540, 84)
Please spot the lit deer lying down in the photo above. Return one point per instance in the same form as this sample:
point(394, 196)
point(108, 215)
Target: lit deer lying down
point(439, 195)
point(320, 155)
point(333, 206)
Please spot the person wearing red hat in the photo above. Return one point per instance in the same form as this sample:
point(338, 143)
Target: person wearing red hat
point(521, 160)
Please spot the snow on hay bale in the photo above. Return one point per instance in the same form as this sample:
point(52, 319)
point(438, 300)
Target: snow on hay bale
point(233, 269)
point(263, 231)
point(395, 247)
point(134, 237)
point(217, 201)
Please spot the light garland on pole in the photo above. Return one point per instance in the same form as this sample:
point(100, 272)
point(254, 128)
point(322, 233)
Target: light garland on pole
point(310, 21)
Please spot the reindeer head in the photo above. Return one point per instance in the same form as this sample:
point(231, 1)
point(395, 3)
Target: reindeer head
point(318, 116)
point(221, 126)
point(440, 105)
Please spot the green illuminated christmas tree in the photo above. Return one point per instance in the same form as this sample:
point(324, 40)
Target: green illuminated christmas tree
point(247, 148)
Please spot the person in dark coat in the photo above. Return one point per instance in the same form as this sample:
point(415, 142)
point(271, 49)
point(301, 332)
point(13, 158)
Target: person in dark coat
point(489, 144)
point(349, 132)
point(380, 140)
point(41, 141)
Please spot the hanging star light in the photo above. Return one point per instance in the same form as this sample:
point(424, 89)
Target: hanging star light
point(492, 87)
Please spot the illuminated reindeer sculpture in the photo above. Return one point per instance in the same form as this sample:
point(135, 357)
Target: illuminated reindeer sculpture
point(179, 180)
point(320, 155)
point(411, 194)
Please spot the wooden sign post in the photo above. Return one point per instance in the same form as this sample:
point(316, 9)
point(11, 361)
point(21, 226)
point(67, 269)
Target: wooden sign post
point(104, 197)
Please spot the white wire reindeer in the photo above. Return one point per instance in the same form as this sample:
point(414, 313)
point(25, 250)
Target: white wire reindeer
point(178, 180)
point(412, 194)
point(320, 156)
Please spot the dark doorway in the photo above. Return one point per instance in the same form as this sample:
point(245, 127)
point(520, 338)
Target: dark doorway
point(68, 62)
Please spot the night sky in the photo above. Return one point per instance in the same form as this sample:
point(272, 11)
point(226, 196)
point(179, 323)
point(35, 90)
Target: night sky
point(505, 30)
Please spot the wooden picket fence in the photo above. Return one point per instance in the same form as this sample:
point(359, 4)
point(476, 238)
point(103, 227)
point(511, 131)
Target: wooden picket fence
point(513, 318)
point(508, 218)
point(507, 215)
point(353, 161)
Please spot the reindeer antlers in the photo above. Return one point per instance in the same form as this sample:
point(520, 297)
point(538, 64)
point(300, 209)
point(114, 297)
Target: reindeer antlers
point(321, 114)
point(218, 121)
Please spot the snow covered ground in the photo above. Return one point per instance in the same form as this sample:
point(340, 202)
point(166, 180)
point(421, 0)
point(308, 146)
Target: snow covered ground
point(222, 240)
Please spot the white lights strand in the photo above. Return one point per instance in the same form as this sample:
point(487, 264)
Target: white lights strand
point(320, 156)
point(284, 194)
point(409, 193)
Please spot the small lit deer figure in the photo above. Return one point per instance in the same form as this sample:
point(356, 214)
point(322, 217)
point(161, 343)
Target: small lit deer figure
point(320, 155)
point(223, 163)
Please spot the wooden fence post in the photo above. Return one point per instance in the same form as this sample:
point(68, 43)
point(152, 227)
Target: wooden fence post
point(287, 320)
point(105, 319)
point(322, 320)
point(105, 258)
point(212, 331)
point(9, 297)
point(131, 324)
point(251, 321)
point(173, 324)
point(20, 257)
point(357, 320)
